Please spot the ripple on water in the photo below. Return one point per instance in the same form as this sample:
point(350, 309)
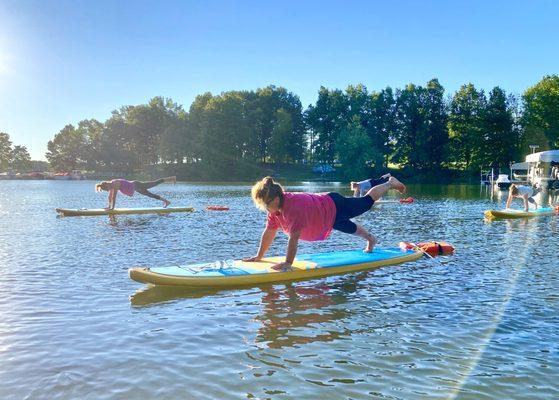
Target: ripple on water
point(481, 324)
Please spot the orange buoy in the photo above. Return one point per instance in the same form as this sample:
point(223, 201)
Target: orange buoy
point(431, 248)
point(407, 200)
point(217, 208)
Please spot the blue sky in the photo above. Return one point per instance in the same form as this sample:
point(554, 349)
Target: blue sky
point(64, 61)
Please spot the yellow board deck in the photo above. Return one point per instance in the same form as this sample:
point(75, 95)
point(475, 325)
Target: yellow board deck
point(89, 212)
point(237, 272)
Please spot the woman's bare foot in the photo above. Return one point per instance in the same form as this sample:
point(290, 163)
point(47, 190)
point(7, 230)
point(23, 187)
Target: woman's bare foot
point(166, 203)
point(397, 185)
point(386, 176)
point(371, 242)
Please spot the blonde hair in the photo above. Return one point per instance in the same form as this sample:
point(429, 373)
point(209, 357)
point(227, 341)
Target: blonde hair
point(104, 185)
point(513, 189)
point(266, 190)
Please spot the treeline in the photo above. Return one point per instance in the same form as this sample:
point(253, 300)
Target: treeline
point(14, 158)
point(416, 127)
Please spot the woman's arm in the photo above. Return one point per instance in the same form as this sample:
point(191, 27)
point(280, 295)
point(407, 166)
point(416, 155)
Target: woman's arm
point(292, 247)
point(509, 200)
point(112, 198)
point(291, 252)
point(266, 240)
point(112, 194)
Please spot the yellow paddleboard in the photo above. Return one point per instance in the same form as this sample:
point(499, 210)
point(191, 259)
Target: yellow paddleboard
point(238, 272)
point(510, 213)
point(88, 212)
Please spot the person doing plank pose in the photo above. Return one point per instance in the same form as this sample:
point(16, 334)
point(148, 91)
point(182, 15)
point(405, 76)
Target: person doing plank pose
point(312, 216)
point(130, 187)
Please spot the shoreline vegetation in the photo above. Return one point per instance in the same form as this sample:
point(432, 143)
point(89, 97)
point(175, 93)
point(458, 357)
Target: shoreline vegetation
point(416, 132)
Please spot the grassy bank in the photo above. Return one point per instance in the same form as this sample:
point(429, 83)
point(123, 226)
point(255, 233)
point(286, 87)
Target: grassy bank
point(298, 172)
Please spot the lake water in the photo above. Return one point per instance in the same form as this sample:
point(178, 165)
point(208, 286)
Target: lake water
point(481, 324)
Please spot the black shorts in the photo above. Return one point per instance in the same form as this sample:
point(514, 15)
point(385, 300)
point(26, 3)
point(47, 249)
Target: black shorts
point(379, 181)
point(347, 208)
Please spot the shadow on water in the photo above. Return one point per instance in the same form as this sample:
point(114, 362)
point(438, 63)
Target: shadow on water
point(153, 295)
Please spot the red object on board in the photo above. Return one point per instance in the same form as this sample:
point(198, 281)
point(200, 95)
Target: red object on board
point(431, 248)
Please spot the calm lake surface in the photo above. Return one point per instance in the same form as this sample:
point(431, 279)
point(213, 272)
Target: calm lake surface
point(482, 324)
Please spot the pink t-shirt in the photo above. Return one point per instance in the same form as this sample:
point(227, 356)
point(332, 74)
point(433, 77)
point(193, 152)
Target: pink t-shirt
point(126, 187)
point(311, 213)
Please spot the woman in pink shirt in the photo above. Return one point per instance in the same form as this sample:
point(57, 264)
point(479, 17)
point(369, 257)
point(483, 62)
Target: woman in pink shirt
point(310, 216)
point(129, 187)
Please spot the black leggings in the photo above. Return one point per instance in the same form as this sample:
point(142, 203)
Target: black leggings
point(379, 181)
point(347, 208)
point(142, 188)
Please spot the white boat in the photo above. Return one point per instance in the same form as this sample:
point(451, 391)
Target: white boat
point(77, 175)
point(543, 169)
point(503, 182)
point(519, 172)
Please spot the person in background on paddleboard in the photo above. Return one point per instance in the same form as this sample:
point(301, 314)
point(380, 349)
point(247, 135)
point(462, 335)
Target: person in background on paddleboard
point(360, 188)
point(129, 187)
point(522, 192)
point(312, 216)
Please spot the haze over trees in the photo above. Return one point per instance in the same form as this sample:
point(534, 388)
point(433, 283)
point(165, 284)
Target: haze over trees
point(14, 158)
point(417, 127)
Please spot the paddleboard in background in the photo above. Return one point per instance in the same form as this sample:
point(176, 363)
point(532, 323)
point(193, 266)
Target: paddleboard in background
point(217, 208)
point(510, 213)
point(88, 212)
point(407, 200)
point(238, 273)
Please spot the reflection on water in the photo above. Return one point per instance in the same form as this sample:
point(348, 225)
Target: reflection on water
point(295, 315)
point(481, 324)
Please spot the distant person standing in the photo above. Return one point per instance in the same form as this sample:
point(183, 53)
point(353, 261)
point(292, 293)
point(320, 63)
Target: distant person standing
point(130, 187)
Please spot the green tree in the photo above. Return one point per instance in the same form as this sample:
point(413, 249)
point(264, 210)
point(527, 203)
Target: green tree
point(541, 113)
point(261, 111)
point(175, 139)
point(116, 148)
point(21, 160)
point(382, 125)
point(281, 140)
point(5, 150)
point(466, 123)
point(326, 119)
point(92, 132)
point(146, 124)
point(501, 139)
point(355, 149)
point(410, 122)
point(66, 150)
point(375, 112)
point(197, 125)
point(435, 141)
point(225, 134)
